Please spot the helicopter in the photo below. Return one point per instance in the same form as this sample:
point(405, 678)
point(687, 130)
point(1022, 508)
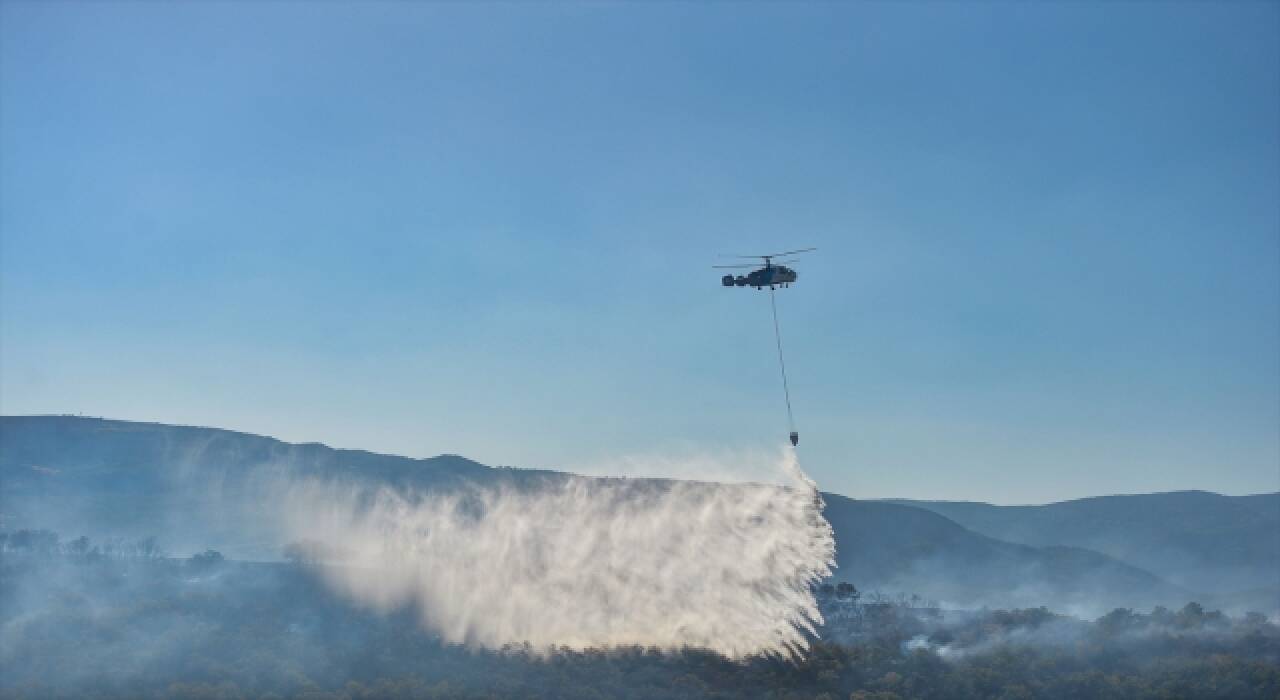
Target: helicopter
point(771, 275)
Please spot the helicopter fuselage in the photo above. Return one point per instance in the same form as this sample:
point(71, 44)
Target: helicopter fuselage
point(767, 276)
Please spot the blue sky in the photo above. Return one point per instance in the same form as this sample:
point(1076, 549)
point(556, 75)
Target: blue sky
point(1049, 235)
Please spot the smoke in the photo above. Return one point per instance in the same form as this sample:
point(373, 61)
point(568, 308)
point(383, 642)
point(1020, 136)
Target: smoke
point(581, 562)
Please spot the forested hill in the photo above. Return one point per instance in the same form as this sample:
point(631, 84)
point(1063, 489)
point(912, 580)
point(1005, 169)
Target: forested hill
point(1205, 541)
point(901, 548)
point(101, 477)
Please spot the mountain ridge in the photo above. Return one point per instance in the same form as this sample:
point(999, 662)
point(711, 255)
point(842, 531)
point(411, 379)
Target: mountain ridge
point(1199, 539)
point(101, 475)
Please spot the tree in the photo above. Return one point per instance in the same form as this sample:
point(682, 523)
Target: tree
point(1117, 621)
point(149, 549)
point(35, 541)
point(79, 546)
point(206, 560)
point(1191, 615)
point(846, 591)
point(304, 552)
point(1255, 619)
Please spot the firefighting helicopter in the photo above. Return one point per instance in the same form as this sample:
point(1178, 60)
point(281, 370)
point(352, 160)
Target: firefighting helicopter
point(772, 275)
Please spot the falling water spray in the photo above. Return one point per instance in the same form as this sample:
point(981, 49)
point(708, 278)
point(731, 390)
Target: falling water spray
point(583, 562)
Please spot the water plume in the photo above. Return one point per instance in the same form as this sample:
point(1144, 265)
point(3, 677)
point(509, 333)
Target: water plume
point(582, 562)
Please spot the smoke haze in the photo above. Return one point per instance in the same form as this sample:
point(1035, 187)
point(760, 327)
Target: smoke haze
point(404, 574)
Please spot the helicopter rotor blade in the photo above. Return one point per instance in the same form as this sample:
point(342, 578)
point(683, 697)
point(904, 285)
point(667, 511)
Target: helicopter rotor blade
point(771, 255)
point(775, 263)
point(792, 252)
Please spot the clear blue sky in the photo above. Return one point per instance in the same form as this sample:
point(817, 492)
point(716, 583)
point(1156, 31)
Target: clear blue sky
point(1050, 234)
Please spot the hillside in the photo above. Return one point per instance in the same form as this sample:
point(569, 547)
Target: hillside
point(76, 626)
point(1200, 540)
point(130, 479)
point(102, 477)
point(897, 547)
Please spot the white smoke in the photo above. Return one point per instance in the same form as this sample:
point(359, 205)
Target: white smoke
point(583, 562)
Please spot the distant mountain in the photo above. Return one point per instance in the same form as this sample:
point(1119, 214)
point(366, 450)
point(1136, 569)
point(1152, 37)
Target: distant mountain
point(1224, 545)
point(89, 475)
point(896, 547)
point(104, 477)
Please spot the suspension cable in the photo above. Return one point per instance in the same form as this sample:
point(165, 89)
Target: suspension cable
point(777, 335)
